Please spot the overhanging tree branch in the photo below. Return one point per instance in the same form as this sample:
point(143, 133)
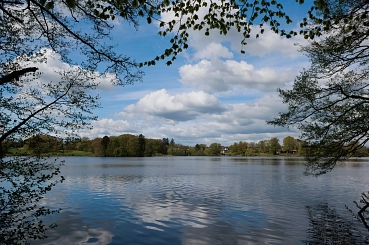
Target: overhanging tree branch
point(79, 38)
point(24, 121)
point(328, 102)
point(351, 96)
point(16, 75)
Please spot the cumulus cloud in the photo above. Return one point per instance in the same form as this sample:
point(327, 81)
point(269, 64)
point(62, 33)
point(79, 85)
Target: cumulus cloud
point(51, 68)
point(212, 51)
point(250, 118)
point(231, 123)
point(180, 107)
point(271, 43)
point(267, 43)
point(239, 122)
point(221, 76)
point(110, 127)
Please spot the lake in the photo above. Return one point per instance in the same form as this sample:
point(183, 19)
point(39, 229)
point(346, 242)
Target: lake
point(206, 200)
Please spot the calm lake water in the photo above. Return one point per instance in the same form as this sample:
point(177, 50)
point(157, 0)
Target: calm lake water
point(206, 200)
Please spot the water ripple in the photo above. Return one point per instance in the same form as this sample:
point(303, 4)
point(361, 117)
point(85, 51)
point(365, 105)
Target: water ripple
point(200, 201)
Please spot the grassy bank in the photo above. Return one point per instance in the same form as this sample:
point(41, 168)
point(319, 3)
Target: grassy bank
point(25, 152)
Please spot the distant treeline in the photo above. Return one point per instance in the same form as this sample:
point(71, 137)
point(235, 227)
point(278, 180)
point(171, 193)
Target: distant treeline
point(128, 145)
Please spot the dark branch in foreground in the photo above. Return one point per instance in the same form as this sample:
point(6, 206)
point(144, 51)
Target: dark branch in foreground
point(16, 75)
point(360, 213)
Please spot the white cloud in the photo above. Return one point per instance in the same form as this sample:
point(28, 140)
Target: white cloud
point(271, 43)
point(221, 76)
point(267, 43)
point(240, 122)
point(106, 81)
point(212, 51)
point(235, 122)
point(52, 67)
point(180, 107)
point(110, 127)
point(249, 118)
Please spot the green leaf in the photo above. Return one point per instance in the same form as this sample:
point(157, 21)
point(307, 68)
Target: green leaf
point(149, 20)
point(135, 3)
point(49, 5)
point(71, 3)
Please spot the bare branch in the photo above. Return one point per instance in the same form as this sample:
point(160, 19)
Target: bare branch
point(16, 75)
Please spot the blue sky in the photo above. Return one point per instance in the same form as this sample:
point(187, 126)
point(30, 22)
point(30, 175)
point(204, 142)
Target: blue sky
point(211, 93)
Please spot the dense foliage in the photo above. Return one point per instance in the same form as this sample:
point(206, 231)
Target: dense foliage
point(128, 145)
point(329, 102)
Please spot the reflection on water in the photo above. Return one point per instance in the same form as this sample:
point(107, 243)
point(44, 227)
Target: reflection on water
point(73, 230)
point(326, 226)
point(200, 200)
